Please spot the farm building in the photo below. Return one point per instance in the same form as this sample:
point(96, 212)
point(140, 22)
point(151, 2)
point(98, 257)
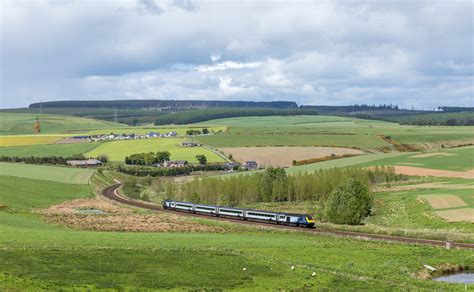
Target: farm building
point(250, 165)
point(153, 135)
point(189, 144)
point(175, 163)
point(84, 163)
point(171, 134)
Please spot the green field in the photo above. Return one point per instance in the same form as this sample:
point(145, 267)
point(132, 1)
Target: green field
point(25, 193)
point(457, 159)
point(64, 150)
point(51, 173)
point(328, 131)
point(117, 150)
point(21, 123)
point(180, 130)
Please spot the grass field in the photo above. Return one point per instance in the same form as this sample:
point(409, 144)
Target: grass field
point(117, 150)
point(65, 150)
point(8, 141)
point(181, 130)
point(51, 173)
point(25, 193)
point(329, 131)
point(457, 159)
point(21, 123)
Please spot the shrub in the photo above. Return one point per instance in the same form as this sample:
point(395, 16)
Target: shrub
point(349, 203)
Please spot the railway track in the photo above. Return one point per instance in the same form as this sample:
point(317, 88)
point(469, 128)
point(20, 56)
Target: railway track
point(111, 193)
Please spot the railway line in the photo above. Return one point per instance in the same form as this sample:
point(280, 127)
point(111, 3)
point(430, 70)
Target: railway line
point(111, 193)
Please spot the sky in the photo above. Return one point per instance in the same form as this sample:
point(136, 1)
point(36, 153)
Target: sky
point(411, 53)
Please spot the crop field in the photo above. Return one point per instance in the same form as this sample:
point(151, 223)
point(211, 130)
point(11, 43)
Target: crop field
point(51, 173)
point(20, 123)
point(457, 159)
point(284, 156)
point(117, 150)
point(329, 131)
point(65, 150)
point(8, 141)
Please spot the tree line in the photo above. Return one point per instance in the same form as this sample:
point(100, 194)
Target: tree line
point(155, 103)
point(56, 160)
point(194, 116)
point(274, 185)
point(439, 119)
point(169, 171)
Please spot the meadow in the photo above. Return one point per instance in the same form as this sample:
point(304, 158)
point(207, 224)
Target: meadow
point(50, 173)
point(64, 150)
point(117, 150)
point(8, 141)
point(23, 194)
point(22, 123)
point(142, 130)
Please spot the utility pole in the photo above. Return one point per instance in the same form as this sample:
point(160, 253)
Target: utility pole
point(115, 116)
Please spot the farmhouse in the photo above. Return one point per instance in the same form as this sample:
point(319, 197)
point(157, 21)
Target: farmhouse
point(189, 144)
point(250, 165)
point(175, 163)
point(153, 135)
point(84, 163)
point(171, 134)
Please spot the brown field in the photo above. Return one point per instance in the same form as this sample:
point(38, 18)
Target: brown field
point(435, 185)
point(418, 171)
point(283, 156)
point(464, 214)
point(444, 201)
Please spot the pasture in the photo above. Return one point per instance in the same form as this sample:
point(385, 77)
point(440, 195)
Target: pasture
point(180, 130)
point(22, 123)
point(51, 173)
point(65, 150)
point(117, 150)
point(20, 193)
point(283, 156)
point(8, 141)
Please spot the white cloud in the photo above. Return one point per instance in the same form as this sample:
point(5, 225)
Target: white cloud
point(324, 52)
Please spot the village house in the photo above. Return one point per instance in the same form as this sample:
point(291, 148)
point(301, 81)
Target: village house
point(84, 163)
point(171, 134)
point(250, 165)
point(189, 144)
point(153, 135)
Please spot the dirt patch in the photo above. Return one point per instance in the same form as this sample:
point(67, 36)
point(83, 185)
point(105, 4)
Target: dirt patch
point(118, 218)
point(409, 163)
point(433, 154)
point(418, 171)
point(444, 201)
point(457, 215)
point(284, 156)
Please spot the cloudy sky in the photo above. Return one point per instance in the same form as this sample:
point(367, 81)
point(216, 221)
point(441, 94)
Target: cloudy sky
point(411, 53)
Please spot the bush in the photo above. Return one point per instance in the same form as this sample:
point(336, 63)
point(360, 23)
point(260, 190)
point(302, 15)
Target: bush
point(349, 203)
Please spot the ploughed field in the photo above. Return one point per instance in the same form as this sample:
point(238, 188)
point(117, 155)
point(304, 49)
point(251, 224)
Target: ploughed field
point(284, 156)
point(37, 251)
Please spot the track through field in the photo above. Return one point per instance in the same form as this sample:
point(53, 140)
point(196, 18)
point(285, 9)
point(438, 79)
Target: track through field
point(111, 193)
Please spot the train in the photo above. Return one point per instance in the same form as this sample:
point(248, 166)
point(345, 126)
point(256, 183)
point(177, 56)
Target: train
point(289, 219)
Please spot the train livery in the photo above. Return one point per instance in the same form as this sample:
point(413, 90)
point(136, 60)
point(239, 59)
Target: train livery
point(299, 220)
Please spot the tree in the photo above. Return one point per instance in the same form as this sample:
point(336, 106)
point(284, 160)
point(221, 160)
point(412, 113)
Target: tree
point(349, 203)
point(104, 158)
point(202, 159)
point(162, 156)
point(205, 131)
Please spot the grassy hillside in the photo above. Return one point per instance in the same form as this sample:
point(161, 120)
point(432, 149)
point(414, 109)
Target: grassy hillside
point(117, 150)
point(21, 123)
point(26, 193)
point(65, 150)
point(50, 173)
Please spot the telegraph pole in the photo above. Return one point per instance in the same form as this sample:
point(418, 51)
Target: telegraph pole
point(115, 116)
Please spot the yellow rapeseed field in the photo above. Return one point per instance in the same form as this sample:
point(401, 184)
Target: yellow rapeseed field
point(7, 141)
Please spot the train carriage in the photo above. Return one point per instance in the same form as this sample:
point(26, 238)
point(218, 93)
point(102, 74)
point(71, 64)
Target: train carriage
point(290, 219)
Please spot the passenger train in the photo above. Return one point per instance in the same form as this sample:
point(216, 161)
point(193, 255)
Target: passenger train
point(299, 220)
